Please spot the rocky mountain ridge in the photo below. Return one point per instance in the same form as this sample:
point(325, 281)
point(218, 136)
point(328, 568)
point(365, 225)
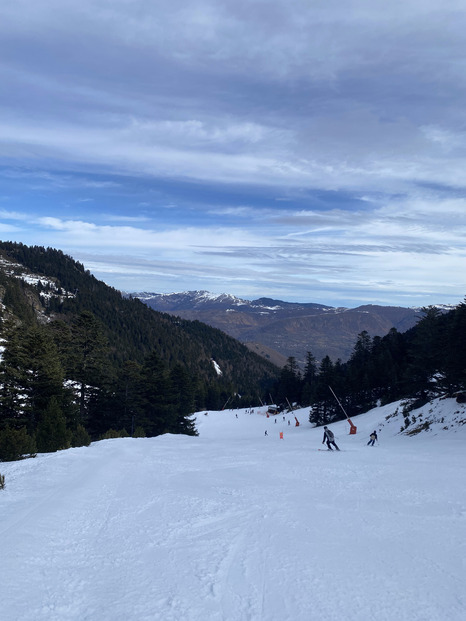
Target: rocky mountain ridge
point(279, 329)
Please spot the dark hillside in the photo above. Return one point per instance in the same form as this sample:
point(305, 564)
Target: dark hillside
point(117, 363)
point(133, 329)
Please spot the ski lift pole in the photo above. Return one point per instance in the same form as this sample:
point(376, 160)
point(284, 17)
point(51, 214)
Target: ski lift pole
point(338, 401)
point(353, 428)
point(226, 403)
point(289, 404)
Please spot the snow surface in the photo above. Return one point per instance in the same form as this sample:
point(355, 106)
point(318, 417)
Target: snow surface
point(217, 368)
point(234, 525)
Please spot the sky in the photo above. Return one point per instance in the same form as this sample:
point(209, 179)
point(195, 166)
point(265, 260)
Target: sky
point(305, 151)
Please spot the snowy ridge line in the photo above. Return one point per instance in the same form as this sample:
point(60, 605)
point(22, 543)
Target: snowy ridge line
point(199, 296)
point(16, 270)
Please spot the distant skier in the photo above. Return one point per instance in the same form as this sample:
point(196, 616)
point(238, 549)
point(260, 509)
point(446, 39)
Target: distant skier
point(288, 422)
point(329, 438)
point(373, 438)
point(266, 432)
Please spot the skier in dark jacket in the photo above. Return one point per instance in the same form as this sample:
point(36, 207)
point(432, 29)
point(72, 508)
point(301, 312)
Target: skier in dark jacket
point(329, 438)
point(373, 438)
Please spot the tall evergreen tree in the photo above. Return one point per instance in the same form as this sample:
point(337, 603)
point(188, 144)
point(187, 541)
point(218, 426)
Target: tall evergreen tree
point(289, 385)
point(360, 372)
point(13, 371)
point(426, 354)
point(323, 409)
point(158, 414)
point(130, 395)
point(455, 352)
point(31, 374)
point(309, 379)
point(182, 388)
point(89, 359)
point(45, 373)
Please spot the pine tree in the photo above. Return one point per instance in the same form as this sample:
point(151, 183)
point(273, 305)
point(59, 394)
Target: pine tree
point(13, 371)
point(52, 434)
point(289, 385)
point(323, 408)
point(129, 394)
point(44, 372)
point(426, 355)
point(30, 374)
point(80, 437)
point(455, 354)
point(158, 414)
point(89, 359)
point(15, 444)
point(182, 389)
point(309, 379)
point(360, 374)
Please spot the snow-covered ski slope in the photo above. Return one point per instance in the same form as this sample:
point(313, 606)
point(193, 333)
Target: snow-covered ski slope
point(236, 526)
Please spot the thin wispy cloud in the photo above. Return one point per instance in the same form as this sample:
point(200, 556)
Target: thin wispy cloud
point(313, 151)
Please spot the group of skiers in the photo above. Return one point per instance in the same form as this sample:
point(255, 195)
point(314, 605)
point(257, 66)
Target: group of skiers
point(329, 438)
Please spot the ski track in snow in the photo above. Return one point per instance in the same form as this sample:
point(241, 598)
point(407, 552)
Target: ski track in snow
point(236, 526)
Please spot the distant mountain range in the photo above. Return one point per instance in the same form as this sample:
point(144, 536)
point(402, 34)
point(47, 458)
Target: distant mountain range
point(277, 329)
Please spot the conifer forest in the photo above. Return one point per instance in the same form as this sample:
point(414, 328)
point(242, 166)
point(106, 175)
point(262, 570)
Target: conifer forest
point(81, 362)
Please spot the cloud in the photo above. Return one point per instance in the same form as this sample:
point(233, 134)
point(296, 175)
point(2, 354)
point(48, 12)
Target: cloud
point(8, 228)
point(337, 124)
point(12, 215)
point(297, 147)
point(242, 260)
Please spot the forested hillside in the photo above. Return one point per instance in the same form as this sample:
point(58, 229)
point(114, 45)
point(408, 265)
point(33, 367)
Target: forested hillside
point(425, 362)
point(79, 359)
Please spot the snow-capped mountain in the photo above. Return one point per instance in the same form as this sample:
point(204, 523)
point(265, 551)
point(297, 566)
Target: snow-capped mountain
point(204, 300)
point(279, 329)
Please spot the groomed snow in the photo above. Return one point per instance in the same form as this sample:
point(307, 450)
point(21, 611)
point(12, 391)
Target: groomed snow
point(236, 526)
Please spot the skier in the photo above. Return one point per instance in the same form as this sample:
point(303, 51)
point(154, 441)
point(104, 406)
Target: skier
point(266, 432)
point(329, 438)
point(373, 438)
